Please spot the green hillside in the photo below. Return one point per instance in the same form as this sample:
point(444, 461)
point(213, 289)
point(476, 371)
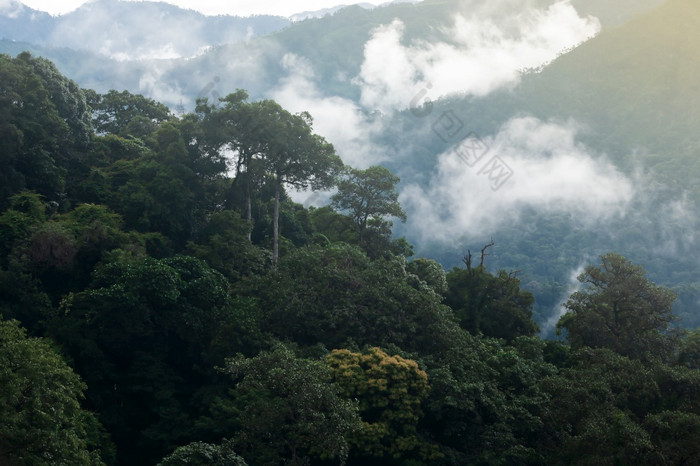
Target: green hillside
point(159, 308)
point(634, 94)
point(635, 85)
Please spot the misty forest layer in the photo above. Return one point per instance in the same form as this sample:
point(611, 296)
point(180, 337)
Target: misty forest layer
point(593, 105)
point(164, 301)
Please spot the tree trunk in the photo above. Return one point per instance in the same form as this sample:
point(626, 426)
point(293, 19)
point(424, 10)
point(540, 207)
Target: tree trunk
point(276, 224)
point(363, 227)
point(248, 208)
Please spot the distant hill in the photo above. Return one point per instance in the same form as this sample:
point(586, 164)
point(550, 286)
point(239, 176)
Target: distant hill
point(634, 87)
point(133, 30)
point(164, 38)
point(301, 16)
point(633, 97)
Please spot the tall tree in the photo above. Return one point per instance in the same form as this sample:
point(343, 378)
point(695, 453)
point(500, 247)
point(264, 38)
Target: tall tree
point(369, 196)
point(38, 130)
point(296, 157)
point(490, 304)
point(619, 309)
point(233, 125)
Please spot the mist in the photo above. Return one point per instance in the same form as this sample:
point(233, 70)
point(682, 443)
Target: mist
point(541, 166)
point(476, 57)
point(341, 121)
point(11, 8)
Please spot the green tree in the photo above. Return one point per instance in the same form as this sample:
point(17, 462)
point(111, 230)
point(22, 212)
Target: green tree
point(42, 420)
point(59, 252)
point(337, 296)
point(236, 126)
point(285, 410)
point(674, 435)
point(146, 335)
point(68, 98)
point(689, 349)
point(487, 404)
point(619, 309)
point(34, 138)
point(491, 304)
point(607, 408)
point(431, 272)
point(204, 454)
point(296, 157)
point(369, 196)
point(124, 113)
point(45, 129)
point(224, 244)
point(159, 189)
point(26, 212)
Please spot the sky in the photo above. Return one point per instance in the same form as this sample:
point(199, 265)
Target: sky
point(215, 7)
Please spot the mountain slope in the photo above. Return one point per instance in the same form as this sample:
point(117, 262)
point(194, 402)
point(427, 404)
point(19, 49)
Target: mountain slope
point(615, 13)
point(133, 30)
point(628, 102)
point(636, 84)
point(616, 118)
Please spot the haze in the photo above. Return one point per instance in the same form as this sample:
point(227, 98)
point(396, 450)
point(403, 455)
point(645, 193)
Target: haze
point(212, 7)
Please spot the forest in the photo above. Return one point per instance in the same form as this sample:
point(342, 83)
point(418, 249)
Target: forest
point(165, 302)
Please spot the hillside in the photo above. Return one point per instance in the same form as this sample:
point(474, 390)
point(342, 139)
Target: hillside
point(158, 307)
point(628, 96)
point(133, 30)
point(601, 140)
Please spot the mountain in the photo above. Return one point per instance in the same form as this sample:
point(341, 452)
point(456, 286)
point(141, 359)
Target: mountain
point(325, 12)
point(600, 141)
point(613, 14)
point(133, 30)
point(315, 14)
point(21, 23)
point(625, 105)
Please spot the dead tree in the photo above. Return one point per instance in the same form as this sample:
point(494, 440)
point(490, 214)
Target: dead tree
point(468, 258)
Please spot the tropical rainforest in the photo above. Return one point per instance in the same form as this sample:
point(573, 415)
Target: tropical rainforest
point(165, 302)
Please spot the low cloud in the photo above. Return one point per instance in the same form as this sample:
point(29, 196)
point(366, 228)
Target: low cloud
point(482, 51)
point(342, 122)
point(153, 84)
point(548, 171)
point(548, 327)
point(151, 30)
point(11, 8)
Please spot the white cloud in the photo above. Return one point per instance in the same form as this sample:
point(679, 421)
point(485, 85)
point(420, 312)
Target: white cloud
point(551, 172)
point(339, 120)
point(11, 8)
point(478, 55)
point(153, 84)
point(549, 326)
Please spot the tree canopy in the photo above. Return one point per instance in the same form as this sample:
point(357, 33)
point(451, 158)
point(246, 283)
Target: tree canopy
point(619, 309)
point(42, 419)
point(169, 303)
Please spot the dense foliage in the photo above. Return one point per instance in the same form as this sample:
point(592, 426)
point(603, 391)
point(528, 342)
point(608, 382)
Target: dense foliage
point(178, 308)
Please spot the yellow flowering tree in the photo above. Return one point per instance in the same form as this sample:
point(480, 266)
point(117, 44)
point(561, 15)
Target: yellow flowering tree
point(390, 390)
